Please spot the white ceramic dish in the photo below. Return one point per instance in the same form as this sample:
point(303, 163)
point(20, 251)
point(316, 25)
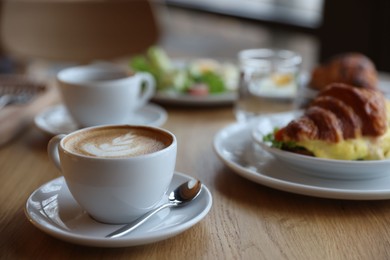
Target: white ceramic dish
point(52, 209)
point(56, 120)
point(172, 98)
point(236, 148)
point(325, 168)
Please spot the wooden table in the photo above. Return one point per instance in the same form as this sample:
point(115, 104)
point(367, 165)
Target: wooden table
point(247, 220)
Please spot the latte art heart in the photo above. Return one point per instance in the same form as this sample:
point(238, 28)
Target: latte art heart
point(126, 145)
point(117, 142)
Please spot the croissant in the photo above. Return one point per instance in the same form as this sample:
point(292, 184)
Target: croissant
point(339, 112)
point(350, 68)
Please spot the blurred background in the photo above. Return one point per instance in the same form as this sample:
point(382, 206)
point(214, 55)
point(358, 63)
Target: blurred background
point(317, 29)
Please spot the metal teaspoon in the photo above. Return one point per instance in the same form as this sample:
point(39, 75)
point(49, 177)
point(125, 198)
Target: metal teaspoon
point(183, 194)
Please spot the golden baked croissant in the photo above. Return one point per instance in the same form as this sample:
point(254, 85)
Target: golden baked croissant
point(341, 119)
point(340, 112)
point(350, 68)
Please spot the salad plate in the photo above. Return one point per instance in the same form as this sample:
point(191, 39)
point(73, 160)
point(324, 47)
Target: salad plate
point(189, 81)
point(236, 148)
point(52, 209)
point(56, 119)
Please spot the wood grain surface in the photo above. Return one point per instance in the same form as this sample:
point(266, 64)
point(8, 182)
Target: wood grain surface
point(247, 220)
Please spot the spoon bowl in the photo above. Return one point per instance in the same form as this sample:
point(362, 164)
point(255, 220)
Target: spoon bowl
point(180, 196)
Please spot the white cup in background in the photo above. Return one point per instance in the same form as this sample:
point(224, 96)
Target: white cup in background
point(116, 172)
point(269, 80)
point(101, 94)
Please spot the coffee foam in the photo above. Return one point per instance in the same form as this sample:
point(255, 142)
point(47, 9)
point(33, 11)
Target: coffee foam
point(117, 142)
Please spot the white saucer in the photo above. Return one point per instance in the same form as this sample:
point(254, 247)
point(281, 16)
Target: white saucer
point(52, 209)
point(235, 147)
point(56, 120)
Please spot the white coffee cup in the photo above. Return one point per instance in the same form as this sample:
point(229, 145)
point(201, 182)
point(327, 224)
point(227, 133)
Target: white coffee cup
point(116, 172)
point(104, 93)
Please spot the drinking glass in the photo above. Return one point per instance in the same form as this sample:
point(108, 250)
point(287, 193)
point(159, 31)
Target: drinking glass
point(268, 82)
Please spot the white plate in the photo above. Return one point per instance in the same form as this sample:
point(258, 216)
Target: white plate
point(172, 98)
point(56, 120)
point(326, 168)
point(52, 209)
point(236, 148)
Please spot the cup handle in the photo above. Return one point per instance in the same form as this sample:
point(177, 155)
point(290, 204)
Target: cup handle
point(52, 150)
point(148, 91)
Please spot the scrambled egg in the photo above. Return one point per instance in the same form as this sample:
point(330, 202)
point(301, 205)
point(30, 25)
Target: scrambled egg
point(365, 148)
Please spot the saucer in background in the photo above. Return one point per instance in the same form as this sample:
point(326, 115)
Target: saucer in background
point(56, 120)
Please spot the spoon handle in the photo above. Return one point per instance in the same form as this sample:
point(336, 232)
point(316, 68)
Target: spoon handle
point(138, 222)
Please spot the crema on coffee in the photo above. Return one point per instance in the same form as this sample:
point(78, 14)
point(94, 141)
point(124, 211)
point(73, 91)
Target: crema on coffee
point(117, 142)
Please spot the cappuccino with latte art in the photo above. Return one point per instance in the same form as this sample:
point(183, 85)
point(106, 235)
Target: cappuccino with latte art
point(116, 172)
point(117, 142)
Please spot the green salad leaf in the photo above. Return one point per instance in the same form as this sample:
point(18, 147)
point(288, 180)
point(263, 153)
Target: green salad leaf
point(270, 138)
point(140, 63)
point(214, 82)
